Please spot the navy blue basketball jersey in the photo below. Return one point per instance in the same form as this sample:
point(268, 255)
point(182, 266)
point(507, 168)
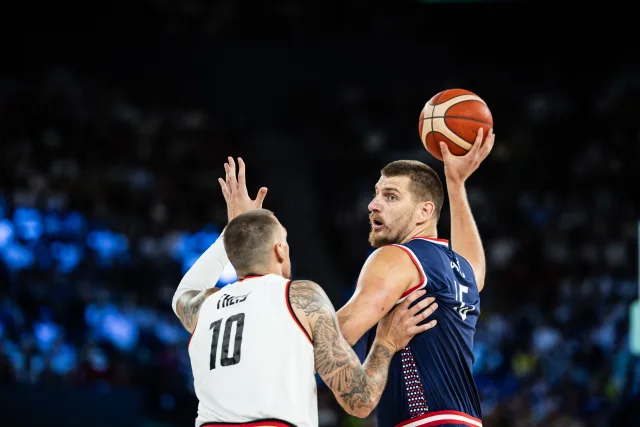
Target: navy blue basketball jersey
point(430, 381)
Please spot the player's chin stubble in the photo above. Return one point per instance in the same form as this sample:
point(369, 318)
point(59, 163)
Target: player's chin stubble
point(376, 240)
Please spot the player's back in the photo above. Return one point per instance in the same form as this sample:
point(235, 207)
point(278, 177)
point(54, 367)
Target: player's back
point(250, 358)
point(430, 382)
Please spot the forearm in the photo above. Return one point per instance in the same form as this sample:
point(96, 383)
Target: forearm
point(361, 392)
point(357, 387)
point(377, 370)
point(205, 272)
point(465, 237)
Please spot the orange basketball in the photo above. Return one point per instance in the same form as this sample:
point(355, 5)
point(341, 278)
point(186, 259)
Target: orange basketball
point(453, 116)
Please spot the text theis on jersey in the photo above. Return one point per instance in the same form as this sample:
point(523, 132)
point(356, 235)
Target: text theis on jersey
point(228, 300)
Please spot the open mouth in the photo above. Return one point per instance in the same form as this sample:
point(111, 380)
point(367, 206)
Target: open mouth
point(376, 224)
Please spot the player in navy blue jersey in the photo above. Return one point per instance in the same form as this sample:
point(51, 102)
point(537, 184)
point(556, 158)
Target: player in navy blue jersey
point(430, 381)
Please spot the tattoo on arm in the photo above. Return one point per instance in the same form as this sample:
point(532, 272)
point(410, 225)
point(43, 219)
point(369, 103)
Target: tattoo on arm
point(308, 296)
point(358, 388)
point(188, 307)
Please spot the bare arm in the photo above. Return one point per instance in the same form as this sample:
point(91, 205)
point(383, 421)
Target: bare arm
point(465, 237)
point(188, 307)
point(356, 387)
point(386, 275)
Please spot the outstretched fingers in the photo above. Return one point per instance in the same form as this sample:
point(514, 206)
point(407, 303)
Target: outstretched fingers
point(225, 189)
point(242, 181)
point(231, 177)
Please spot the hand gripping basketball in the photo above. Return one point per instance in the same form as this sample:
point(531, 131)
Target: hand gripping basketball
point(458, 168)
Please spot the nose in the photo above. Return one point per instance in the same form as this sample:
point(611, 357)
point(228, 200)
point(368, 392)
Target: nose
point(374, 205)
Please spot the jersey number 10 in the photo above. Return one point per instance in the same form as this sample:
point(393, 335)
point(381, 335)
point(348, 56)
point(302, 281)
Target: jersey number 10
point(225, 359)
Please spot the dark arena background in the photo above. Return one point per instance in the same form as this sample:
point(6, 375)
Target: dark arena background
point(115, 122)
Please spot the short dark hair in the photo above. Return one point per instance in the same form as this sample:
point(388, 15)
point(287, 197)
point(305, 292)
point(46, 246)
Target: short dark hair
point(247, 238)
point(425, 183)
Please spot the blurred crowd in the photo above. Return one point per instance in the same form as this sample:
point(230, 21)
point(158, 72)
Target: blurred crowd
point(107, 197)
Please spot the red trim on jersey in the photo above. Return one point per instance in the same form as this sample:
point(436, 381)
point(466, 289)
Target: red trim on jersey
point(430, 238)
point(293, 314)
point(194, 332)
point(439, 418)
point(251, 276)
point(259, 423)
point(417, 264)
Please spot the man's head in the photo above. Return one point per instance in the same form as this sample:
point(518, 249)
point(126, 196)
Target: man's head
point(256, 243)
point(409, 196)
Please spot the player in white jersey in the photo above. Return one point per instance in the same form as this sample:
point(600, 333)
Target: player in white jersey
point(257, 343)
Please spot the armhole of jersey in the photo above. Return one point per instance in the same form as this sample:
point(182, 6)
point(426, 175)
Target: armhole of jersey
point(423, 275)
point(194, 330)
point(293, 313)
point(470, 267)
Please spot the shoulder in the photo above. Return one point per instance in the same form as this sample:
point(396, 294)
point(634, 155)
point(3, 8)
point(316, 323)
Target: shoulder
point(391, 268)
point(308, 296)
point(395, 260)
point(388, 256)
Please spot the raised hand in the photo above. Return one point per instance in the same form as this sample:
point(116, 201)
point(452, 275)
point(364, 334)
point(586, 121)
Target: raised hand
point(235, 191)
point(458, 168)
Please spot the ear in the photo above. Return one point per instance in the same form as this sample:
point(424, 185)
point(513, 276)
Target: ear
point(427, 212)
point(280, 252)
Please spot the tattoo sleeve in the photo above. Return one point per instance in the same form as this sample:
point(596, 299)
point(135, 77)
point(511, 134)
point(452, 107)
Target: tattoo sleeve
point(188, 307)
point(357, 388)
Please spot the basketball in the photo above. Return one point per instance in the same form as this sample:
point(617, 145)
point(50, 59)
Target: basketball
point(453, 116)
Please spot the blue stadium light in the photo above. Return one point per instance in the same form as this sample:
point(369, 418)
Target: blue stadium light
point(17, 257)
point(28, 223)
point(6, 232)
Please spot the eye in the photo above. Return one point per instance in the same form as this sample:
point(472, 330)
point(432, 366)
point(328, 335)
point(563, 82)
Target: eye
point(392, 197)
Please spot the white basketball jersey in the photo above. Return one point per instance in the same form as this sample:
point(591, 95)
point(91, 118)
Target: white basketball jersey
point(250, 357)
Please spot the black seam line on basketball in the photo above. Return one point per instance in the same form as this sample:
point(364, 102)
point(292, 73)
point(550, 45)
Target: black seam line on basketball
point(435, 102)
point(456, 117)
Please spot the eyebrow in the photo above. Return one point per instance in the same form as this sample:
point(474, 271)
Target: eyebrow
point(387, 189)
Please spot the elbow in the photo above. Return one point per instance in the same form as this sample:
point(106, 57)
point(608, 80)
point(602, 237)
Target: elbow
point(361, 412)
point(361, 409)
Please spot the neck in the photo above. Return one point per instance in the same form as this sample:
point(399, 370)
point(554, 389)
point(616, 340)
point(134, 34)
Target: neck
point(422, 231)
point(257, 270)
